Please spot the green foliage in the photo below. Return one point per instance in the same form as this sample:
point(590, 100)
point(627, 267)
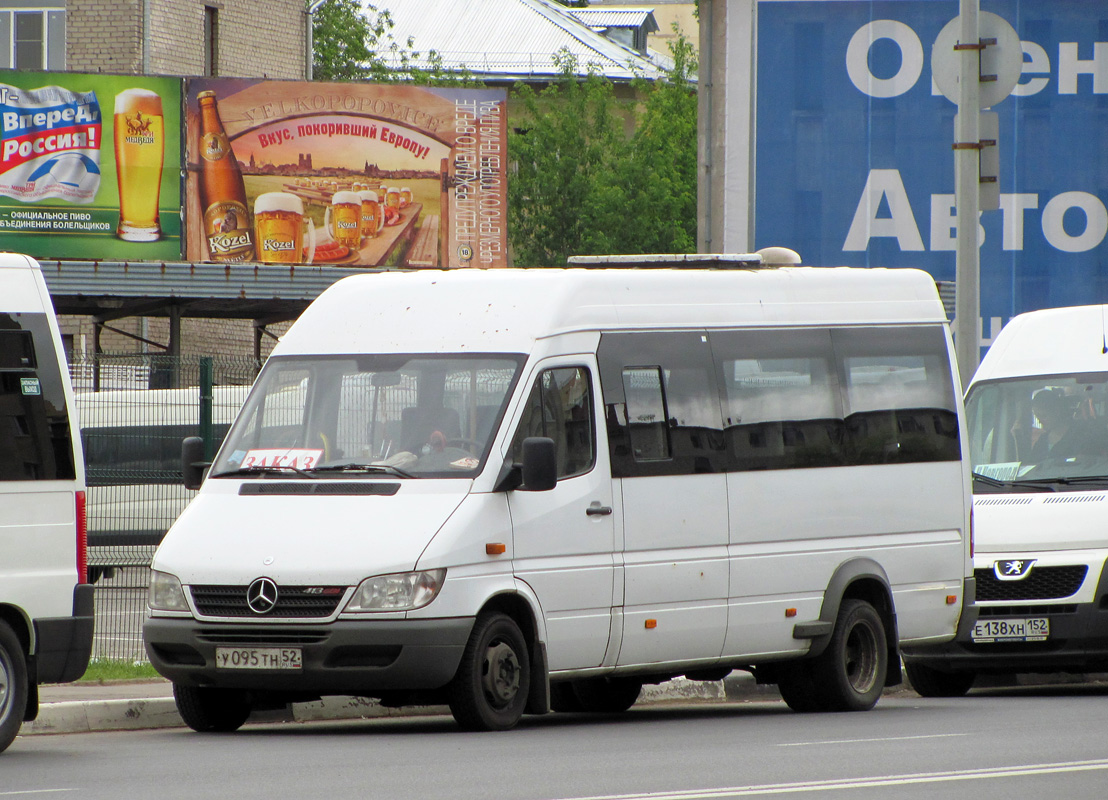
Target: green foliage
point(103, 670)
point(584, 187)
point(349, 43)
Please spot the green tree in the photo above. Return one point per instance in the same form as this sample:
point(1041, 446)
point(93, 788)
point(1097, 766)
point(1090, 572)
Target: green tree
point(581, 186)
point(351, 43)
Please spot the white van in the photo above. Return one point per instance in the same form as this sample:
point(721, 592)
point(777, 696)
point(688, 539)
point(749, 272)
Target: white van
point(132, 444)
point(517, 490)
point(1037, 412)
point(45, 602)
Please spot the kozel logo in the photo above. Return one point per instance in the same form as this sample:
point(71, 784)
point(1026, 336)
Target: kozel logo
point(261, 596)
point(1013, 569)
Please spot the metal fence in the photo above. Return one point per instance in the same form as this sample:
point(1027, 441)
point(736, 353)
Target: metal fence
point(133, 411)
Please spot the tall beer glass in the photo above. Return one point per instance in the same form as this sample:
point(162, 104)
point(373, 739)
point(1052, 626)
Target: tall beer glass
point(139, 150)
point(279, 223)
point(345, 226)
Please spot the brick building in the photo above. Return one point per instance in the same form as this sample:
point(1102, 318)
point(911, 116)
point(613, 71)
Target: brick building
point(228, 38)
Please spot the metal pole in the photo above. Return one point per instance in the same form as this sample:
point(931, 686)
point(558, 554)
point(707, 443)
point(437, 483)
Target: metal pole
point(967, 171)
point(207, 393)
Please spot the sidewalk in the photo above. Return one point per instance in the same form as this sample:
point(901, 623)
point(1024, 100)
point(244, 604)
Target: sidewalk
point(134, 705)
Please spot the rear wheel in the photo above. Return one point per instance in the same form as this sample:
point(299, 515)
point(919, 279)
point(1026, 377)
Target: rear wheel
point(797, 687)
point(209, 710)
point(606, 695)
point(850, 674)
point(930, 682)
point(13, 686)
point(489, 691)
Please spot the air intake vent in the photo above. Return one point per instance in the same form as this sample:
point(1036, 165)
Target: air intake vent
point(1042, 583)
point(322, 487)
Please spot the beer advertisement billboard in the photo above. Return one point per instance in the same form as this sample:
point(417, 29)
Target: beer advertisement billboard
point(90, 166)
point(351, 174)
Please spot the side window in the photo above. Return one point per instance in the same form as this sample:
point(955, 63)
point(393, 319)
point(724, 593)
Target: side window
point(646, 413)
point(898, 396)
point(780, 399)
point(560, 407)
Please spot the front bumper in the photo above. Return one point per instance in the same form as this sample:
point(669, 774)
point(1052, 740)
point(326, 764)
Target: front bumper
point(345, 657)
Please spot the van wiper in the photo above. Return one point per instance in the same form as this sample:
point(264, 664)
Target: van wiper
point(1038, 485)
point(258, 469)
point(1078, 480)
point(358, 467)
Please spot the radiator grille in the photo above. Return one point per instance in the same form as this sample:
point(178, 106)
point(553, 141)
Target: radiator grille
point(293, 602)
point(1043, 583)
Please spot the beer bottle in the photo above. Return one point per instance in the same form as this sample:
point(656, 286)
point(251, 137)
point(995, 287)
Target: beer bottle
point(227, 226)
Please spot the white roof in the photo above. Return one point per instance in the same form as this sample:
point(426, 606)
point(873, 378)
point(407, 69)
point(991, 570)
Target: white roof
point(616, 17)
point(508, 39)
point(507, 310)
point(1053, 341)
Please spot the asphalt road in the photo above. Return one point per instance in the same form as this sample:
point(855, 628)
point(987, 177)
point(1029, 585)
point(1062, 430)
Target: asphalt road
point(1042, 742)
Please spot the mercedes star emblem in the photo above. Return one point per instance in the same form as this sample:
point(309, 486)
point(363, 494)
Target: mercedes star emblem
point(261, 596)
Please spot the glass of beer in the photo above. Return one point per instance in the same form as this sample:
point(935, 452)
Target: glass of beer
point(279, 225)
point(373, 216)
point(344, 219)
point(139, 151)
point(392, 197)
point(405, 197)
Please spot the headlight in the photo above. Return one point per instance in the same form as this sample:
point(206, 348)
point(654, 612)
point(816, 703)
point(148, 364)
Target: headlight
point(401, 592)
point(166, 593)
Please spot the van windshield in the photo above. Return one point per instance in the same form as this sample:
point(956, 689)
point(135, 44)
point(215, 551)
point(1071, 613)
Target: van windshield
point(1047, 432)
point(402, 415)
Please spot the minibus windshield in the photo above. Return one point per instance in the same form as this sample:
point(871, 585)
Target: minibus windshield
point(400, 416)
point(1044, 431)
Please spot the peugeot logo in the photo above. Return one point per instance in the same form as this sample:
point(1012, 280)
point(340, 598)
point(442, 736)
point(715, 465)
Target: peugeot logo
point(261, 596)
point(1013, 569)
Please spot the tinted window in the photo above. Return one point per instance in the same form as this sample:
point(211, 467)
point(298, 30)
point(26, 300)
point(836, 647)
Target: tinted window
point(138, 454)
point(35, 442)
point(679, 432)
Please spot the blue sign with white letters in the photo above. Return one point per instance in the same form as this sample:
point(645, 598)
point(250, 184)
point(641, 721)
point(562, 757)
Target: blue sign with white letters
point(854, 147)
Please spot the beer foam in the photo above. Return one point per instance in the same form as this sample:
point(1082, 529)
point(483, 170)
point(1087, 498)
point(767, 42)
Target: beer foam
point(141, 99)
point(370, 195)
point(346, 197)
point(278, 201)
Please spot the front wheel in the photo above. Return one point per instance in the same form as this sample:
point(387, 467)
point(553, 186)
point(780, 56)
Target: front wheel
point(850, 674)
point(798, 689)
point(208, 710)
point(489, 691)
point(930, 682)
point(13, 686)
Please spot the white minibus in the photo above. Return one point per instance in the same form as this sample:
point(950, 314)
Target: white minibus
point(46, 604)
point(520, 490)
point(1037, 416)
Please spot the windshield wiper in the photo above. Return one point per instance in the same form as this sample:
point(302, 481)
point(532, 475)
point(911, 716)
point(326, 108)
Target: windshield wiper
point(1078, 479)
point(1038, 485)
point(264, 470)
point(358, 467)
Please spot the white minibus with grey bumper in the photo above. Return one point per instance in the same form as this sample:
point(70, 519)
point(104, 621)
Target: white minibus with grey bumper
point(519, 490)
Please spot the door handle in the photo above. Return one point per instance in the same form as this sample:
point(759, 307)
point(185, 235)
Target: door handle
point(597, 510)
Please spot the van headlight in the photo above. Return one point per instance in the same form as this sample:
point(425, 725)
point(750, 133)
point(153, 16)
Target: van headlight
point(400, 592)
point(166, 593)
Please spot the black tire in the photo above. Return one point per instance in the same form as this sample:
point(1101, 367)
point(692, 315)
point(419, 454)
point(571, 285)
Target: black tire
point(798, 689)
point(208, 710)
point(489, 691)
point(930, 682)
point(13, 686)
point(850, 674)
point(606, 695)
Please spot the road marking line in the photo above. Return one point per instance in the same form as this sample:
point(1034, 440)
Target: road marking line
point(866, 741)
point(35, 791)
point(861, 783)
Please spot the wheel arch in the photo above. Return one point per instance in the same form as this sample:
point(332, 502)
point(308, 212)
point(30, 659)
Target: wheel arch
point(19, 624)
point(860, 579)
point(524, 612)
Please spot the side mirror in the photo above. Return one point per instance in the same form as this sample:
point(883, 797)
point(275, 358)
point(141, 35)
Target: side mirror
point(540, 464)
point(192, 462)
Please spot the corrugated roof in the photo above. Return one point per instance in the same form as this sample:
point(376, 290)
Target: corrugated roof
point(508, 39)
point(617, 18)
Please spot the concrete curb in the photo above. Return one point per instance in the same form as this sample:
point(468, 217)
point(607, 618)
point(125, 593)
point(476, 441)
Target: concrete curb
point(86, 716)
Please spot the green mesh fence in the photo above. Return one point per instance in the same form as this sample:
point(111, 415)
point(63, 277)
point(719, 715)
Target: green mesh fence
point(133, 412)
